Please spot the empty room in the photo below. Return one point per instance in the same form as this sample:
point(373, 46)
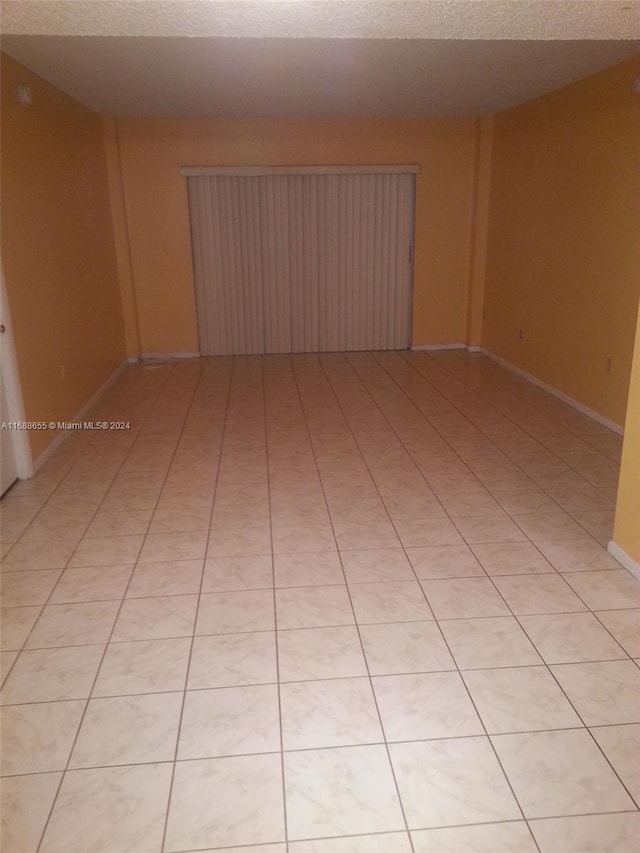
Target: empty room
point(320, 426)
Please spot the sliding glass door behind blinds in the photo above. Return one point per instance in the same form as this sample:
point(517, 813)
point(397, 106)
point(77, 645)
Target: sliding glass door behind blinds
point(302, 262)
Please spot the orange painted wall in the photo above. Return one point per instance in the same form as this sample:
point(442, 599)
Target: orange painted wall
point(626, 531)
point(563, 254)
point(151, 152)
point(57, 250)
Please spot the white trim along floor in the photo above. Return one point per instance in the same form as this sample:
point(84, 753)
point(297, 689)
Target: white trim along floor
point(346, 603)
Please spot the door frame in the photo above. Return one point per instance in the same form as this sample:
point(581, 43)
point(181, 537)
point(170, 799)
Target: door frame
point(19, 439)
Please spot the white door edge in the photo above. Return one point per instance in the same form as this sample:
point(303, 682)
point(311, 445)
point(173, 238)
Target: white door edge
point(18, 440)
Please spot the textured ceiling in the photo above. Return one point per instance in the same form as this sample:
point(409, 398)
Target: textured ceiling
point(315, 57)
point(414, 19)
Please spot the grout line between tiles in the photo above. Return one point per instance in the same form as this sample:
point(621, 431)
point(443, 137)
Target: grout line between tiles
point(362, 649)
point(481, 721)
point(229, 378)
point(265, 413)
point(97, 672)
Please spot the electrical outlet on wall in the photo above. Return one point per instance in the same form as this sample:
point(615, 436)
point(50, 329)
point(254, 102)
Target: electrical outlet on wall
point(520, 334)
point(609, 366)
point(63, 372)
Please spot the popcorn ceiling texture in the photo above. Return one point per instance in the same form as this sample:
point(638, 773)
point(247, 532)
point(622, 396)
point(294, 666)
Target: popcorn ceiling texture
point(315, 58)
point(378, 19)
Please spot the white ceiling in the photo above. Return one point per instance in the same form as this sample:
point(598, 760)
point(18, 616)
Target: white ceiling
point(252, 58)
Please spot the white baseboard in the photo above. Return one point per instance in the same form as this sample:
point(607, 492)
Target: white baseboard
point(585, 410)
point(434, 347)
point(624, 559)
point(57, 441)
point(161, 356)
point(475, 349)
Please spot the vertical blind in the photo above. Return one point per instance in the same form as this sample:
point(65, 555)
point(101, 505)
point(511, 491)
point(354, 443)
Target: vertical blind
point(302, 262)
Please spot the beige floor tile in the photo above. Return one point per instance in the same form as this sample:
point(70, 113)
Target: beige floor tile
point(260, 848)
point(311, 653)
point(625, 627)
point(549, 526)
point(424, 706)
point(333, 712)
point(511, 558)
point(226, 801)
point(317, 569)
point(508, 837)
point(15, 625)
point(52, 529)
point(226, 574)
point(578, 500)
point(190, 498)
point(391, 842)
point(149, 666)
point(313, 606)
point(621, 745)
point(396, 648)
point(464, 598)
point(538, 594)
point(228, 516)
point(444, 561)
point(48, 675)
point(99, 583)
point(402, 601)
point(131, 499)
point(453, 781)
point(73, 624)
point(240, 492)
point(571, 638)
point(303, 539)
point(419, 505)
point(600, 833)
point(606, 590)
point(26, 556)
point(26, 802)
point(128, 730)
point(521, 503)
point(354, 536)
point(7, 659)
point(481, 504)
point(107, 551)
point(180, 519)
point(173, 546)
point(119, 522)
point(177, 577)
point(234, 612)
point(419, 532)
point(492, 642)
point(227, 660)
point(578, 555)
point(245, 542)
point(292, 513)
point(38, 738)
point(230, 721)
point(520, 699)
point(477, 531)
point(598, 523)
point(405, 437)
point(386, 564)
point(602, 693)
point(559, 773)
point(332, 792)
point(21, 589)
point(110, 808)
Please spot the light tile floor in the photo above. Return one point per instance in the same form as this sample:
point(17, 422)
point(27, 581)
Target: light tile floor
point(321, 604)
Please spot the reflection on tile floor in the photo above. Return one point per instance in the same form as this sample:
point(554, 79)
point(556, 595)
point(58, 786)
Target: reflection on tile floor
point(347, 603)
